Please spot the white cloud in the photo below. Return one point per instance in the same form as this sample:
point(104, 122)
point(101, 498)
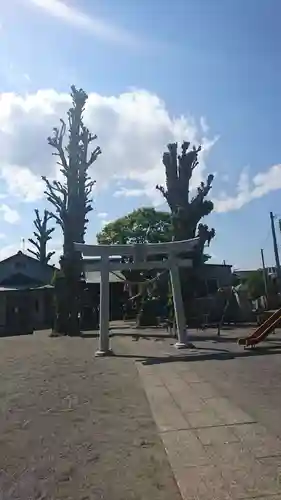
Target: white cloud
point(102, 215)
point(22, 182)
point(149, 192)
point(10, 215)
point(133, 130)
point(250, 189)
point(128, 193)
point(204, 125)
point(101, 29)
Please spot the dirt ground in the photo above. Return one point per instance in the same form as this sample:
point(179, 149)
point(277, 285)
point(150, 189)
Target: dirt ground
point(76, 427)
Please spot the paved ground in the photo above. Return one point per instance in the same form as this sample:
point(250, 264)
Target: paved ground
point(252, 378)
point(76, 427)
point(218, 413)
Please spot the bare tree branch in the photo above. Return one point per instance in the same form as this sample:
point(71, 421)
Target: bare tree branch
point(34, 243)
point(42, 235)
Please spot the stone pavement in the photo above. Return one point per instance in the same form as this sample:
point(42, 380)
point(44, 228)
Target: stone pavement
point(216, 449)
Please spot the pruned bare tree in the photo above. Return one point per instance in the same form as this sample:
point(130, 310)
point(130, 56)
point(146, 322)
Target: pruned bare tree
point(186, 211)
point(71, 201)
point(41, 236)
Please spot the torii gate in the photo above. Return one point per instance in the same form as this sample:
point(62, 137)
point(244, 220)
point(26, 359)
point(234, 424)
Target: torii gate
point(139, 252)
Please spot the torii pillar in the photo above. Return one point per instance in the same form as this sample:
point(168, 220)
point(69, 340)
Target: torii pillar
point(182, 342)
point(104, 348)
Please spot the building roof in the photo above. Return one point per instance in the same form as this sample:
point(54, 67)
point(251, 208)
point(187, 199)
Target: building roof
point(28, 257)
point(217, 265)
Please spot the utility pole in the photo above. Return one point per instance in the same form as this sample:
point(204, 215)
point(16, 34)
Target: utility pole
point(275, 248)
point(264, 274)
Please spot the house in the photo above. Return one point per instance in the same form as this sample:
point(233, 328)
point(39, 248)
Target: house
point(215, 276)
point(26, 298)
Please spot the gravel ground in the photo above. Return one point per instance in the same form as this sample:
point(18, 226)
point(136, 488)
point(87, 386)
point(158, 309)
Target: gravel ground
point(76, 427)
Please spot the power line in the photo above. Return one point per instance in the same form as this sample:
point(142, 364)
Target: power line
point(266, 238)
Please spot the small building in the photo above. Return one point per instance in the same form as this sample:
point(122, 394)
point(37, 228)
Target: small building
point(215, 276)
point(26, 294)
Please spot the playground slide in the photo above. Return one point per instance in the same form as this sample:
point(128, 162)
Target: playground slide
point(263, 330)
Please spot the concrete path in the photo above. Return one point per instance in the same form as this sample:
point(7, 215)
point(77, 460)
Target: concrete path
point(216, 449)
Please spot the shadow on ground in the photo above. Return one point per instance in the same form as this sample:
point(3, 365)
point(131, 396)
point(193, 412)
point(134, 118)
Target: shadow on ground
point(198, 355)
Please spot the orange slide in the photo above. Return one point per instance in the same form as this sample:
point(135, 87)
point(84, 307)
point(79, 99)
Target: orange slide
point(263, 330)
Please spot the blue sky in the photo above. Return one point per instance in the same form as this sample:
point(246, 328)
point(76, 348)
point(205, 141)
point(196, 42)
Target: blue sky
point(214, 59)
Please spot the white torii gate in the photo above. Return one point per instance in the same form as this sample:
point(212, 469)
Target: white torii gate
point(138, 252)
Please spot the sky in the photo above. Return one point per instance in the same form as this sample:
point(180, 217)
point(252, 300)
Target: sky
point(206, 71)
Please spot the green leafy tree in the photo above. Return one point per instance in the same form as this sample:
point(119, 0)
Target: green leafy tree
point(255, 284)
point(71, 203)
point(41, 236)
point(144, 225)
